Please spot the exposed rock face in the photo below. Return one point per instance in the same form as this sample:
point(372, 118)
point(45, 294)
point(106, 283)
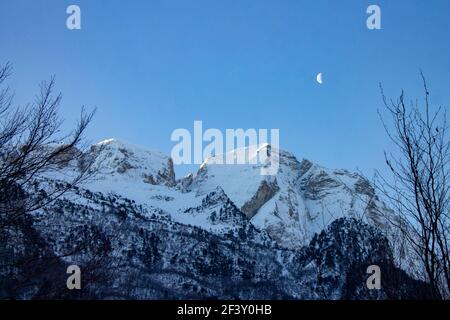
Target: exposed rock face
point(264, 193)
point(115, 157)
point(299, 201)
point(319, 185)
point(185, 183)
point(141, 253)
point(64, 158)
point(227, 232)
point(165, 175)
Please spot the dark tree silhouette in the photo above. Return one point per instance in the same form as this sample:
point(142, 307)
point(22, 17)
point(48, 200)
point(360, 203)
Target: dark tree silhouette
point(31, 143)
point(419, 188)
point(33, 147)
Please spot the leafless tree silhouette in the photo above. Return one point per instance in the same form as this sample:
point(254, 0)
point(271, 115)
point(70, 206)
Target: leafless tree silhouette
point(418, 189)
point(31, 143)
point(32, 147)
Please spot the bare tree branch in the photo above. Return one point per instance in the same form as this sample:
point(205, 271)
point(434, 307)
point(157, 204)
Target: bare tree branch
point(419, 188)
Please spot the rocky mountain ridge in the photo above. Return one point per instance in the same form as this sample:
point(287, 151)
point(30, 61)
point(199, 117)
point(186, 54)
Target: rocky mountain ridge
point(225, 232)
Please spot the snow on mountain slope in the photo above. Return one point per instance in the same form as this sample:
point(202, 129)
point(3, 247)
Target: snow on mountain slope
point(330, 193)
point(214, 173)
point(299, 201)
point(227, 232)
point(126, 171)
point(124, 160)
point(273, 203)
point(135, 173)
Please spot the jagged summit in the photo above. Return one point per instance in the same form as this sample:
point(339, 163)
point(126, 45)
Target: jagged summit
point(247, 155)
point(300, 200)
point(225, 232)
point(293, 205)
point(137, 164)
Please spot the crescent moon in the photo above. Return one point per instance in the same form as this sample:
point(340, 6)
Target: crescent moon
point(319, 78)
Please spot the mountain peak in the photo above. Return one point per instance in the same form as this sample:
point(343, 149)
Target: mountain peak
point(116, 158)
point(298, 201)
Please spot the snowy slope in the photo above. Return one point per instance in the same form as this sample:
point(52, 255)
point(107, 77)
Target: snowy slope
point(147, 178)
point(226, 232)
point(119, 159)
point(299, 201)
point(292, 206)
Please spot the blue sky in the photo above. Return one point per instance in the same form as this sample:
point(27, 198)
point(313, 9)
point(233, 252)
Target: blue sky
point(153, 66)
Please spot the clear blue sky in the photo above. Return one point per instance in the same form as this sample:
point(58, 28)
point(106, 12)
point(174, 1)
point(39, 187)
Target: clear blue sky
point(153, 66)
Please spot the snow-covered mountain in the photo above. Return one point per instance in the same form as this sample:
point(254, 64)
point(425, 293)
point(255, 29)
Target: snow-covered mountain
point(226, 231)
point(299, 201)
point(292, 206)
